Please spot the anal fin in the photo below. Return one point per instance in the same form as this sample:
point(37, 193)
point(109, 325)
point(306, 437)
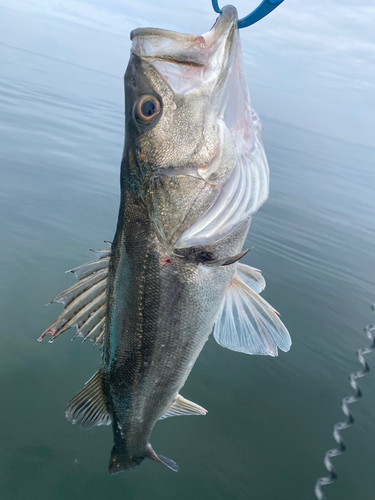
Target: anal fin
point(88, 408)
point(182, 406)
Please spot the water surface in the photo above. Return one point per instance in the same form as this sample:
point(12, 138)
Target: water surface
point(269, 420)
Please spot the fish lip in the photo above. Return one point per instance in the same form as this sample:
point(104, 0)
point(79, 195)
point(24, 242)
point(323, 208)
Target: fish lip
point(172, 35)
point(223, 23)
point(198, 49)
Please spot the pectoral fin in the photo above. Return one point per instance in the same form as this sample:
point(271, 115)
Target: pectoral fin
point(88, 408)
point(247, 323)
point(182, 406)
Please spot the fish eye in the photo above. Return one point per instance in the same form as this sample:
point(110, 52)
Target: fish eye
point(146, 109)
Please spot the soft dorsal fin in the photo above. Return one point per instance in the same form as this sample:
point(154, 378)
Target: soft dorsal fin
point(85, 303)
point(247, 323)
point(88, 408)
point(182, 406)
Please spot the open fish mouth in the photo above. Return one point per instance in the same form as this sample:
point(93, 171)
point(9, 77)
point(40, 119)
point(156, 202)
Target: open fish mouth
point(187, 62)
point(212, 65)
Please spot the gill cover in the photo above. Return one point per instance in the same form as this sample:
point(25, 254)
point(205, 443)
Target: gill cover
point(231, 165)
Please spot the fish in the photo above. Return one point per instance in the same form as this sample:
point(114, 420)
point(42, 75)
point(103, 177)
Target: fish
point(193, 174)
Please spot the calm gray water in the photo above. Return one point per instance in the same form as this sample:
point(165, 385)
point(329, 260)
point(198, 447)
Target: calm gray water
point(269, 420)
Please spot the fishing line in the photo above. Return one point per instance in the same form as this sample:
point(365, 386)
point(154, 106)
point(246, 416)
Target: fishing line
point(323, 481)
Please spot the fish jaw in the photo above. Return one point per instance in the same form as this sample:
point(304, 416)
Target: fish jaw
point(185, 155)
point(199, 167)
point(189, 74)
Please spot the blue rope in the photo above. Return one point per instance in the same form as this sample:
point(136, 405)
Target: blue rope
point(261, 11)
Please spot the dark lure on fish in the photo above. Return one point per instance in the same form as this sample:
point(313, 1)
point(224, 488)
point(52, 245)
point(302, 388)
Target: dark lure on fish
point(193, 174)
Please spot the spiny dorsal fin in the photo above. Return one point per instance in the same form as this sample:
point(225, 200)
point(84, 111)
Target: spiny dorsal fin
point(85, 303)
point(182, 406)
point(88, 408)
point(246, 322)
point(100, 252)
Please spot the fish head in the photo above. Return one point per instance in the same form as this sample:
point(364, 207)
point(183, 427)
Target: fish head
point(188, 120)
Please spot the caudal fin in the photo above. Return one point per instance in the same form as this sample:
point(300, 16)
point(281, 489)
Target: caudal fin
point(162, 460)
point(119, 463)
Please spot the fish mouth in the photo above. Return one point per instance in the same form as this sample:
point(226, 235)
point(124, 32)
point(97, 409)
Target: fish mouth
point(187, 61)
point(211, 66)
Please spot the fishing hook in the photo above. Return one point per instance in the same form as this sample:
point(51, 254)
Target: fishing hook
point(261, 11)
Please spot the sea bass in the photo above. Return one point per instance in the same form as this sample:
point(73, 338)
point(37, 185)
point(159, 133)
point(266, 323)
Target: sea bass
point(193, 174)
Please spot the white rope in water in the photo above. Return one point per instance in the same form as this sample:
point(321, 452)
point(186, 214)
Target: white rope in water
point(323, 481)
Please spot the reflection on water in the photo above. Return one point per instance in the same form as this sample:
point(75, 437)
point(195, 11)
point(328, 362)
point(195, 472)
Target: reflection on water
point(269, 420)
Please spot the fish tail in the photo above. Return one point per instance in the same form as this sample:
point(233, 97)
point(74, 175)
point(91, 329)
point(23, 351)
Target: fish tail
point(167, 462)
point(119, 463)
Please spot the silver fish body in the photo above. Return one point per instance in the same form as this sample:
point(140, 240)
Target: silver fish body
point(162, 309)
point(193, 174)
